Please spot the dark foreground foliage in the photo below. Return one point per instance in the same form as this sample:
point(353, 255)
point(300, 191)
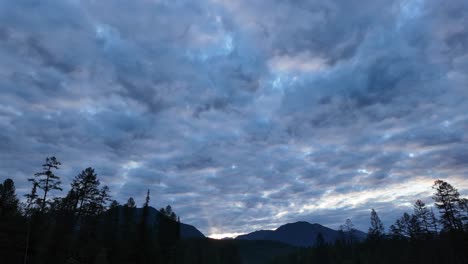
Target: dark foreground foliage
point(85, 226)
point(419, 237)
point(447, 248)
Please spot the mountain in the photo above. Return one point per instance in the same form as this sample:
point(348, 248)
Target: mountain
point(186, 231)
point(154, 216)
point(190, 232)
point(301, 234)
point(257, 235)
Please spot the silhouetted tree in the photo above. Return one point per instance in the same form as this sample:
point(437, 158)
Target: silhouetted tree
point(85, 189)
point(114, 204)
point(130, 203)
point(406, 227)
point(32, 205)
point(319, 240)
point(168, 233)
point(145, 214)
point(424, 218)
point(447, 200)
point(32, 202)
point(102, 199)
point(129, 210)
point(433, 222)
point(8, 200)
point(147, 199)
point(145, 251)
point(463, 204)
point(11, 229)
point(348, 231)
point(376, 230)
point(47, 180)
point(321, 249)
point(168, 213)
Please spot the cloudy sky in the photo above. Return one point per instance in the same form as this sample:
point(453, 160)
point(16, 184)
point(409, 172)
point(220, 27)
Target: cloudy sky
point(241, 114)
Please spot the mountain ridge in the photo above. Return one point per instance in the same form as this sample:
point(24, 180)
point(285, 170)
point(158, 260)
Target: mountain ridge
point(186, 231)
point(301, 234)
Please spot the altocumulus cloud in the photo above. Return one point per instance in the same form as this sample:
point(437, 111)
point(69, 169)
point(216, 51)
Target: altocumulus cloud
point(240, 114)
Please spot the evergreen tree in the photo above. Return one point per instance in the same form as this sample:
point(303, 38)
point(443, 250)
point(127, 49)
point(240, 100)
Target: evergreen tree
point(85, 189)
point(130, 203)
point(129, 219)
point(32, 206)
point(144, 238)
point(321, 249)
point(68, 203)
point(88, 198)
point(145, 214)
point(348, 231)
point(376, 230)
point(423, 217)
point(8, 200)
point(320, 240)
point(47, 180)
point(102, 199)
point(11, 225)
point(147, 199)
point(433, 221)
point(463, 204)
point(447, 201)
point(168, 234)
point(32, 202)
point(168, 213)
point(114, 204)
point(406, 227)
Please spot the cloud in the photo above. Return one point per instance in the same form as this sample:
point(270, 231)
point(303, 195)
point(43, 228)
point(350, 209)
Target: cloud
point(240, 114)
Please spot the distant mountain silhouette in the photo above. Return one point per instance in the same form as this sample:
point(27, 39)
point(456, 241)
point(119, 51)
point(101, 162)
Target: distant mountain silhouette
point(301, 234)
point(189, 232)
point(154, 217)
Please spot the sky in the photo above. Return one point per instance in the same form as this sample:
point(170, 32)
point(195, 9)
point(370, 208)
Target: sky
point(241, 114)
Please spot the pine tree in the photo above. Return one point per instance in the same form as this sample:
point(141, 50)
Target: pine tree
point(114, 204)
point(376, 231)
point(102, 199)
point(47, 180)
point(32, 201)
point(168, 213)
point(320, 240)
point(321, 249)
point(128, 218)
point(145, 215)
point(147, 199)
point(145, 247)
point(433, 221)
point(32, 205)
point(168, 233)
point(406, 226)
point(8, 200)
point(348, 231)
point(85, 189)
point(463, 204)
point(88, 198)
point(447, 201)
point(130, 203)
point(423, 217)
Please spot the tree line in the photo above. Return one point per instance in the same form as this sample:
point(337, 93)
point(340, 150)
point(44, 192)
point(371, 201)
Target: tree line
point(87, 226)
point(84, 226)
point(423, 236)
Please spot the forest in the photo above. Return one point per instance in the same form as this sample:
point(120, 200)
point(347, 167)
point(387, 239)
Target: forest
point(87, 226)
